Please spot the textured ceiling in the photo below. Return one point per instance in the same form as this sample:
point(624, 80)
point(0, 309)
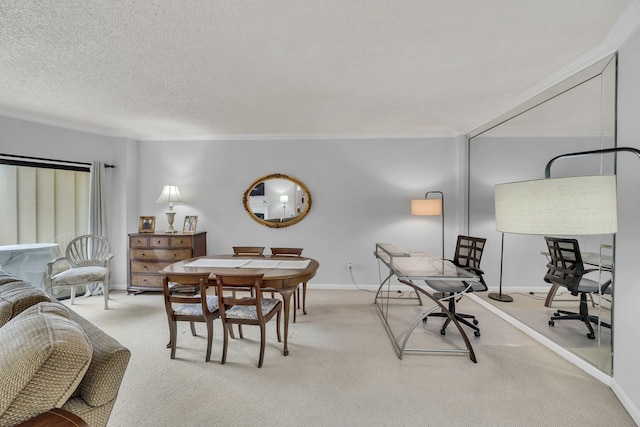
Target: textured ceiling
point(277, 69)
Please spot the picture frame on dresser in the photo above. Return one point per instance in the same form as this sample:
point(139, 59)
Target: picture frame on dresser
point(147, 224)
point(190, 224)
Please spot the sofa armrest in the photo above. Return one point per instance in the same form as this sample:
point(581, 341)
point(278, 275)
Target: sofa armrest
point(102, 381)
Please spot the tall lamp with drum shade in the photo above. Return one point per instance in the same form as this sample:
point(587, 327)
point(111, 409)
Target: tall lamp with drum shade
point(430, 207)
point(170, 194)
point(582, 205)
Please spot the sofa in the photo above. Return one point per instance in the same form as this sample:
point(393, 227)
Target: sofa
point(51, 357)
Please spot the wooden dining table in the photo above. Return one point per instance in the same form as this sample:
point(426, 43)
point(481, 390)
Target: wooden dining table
point(283, 274)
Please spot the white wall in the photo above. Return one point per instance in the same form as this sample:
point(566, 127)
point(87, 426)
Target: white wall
point(360, 189)
point(626, 337)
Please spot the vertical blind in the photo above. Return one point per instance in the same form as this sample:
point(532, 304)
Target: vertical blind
point(42, 204)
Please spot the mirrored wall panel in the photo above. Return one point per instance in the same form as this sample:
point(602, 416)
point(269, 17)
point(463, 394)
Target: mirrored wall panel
point(576, 115)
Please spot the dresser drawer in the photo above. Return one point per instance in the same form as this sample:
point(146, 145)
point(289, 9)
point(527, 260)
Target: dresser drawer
point(159, 242)
point(147, 280)
point(171, 255)
point(148, 267)
point(181, 242)
point(138, 242)
point(151, 252)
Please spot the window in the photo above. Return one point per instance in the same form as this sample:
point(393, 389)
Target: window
point(44, 204)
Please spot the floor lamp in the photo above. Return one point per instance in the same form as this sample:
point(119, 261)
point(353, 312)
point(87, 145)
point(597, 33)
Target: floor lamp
point(583, 205)
point(430, 207)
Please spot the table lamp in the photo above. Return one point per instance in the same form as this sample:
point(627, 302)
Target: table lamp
point(430, 207)
point(170, 194)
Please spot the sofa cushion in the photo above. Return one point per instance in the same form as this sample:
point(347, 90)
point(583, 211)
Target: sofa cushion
point(17, 296)
point(43, 357)
point(6, 277)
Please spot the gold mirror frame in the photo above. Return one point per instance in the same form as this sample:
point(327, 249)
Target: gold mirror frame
point(301, 202)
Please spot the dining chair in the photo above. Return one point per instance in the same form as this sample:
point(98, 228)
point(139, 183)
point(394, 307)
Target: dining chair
point(467, 256)
point(254, 310)
point(89, 262)
point(186, 307)
point(248, 250)
point(294, 252)
point(566, 269)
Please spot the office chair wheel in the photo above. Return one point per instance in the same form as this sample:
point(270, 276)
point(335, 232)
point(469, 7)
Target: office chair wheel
point(476, 333)
point(557, 313)
point(551, 323)
point(443, 332)
point(475, 321)
point(591, 336)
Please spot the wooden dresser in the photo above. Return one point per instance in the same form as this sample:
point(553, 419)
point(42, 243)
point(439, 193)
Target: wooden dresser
point(150, 253)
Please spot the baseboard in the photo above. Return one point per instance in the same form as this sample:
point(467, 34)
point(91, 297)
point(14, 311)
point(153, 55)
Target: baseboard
point(628, 404)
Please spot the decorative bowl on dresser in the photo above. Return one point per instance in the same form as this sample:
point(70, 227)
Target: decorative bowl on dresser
point(150, 253)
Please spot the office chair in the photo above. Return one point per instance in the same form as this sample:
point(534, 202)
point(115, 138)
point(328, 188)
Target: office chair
point(566, 269)
point(467, 256)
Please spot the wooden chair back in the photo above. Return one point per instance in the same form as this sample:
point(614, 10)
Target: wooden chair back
point(248, 250)
point(286, 251)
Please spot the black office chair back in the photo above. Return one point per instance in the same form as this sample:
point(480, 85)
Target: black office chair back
point(565, 266)
point(469, 251)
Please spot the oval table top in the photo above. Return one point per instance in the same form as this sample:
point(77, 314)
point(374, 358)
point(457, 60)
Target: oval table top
point(273, 277)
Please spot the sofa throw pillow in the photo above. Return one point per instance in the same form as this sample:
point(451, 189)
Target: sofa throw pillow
point(43, 357)
point(17, 296)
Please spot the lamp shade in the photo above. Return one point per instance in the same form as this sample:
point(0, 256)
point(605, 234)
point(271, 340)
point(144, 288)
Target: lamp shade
point(426, 207)
point(170, 194)
point(559, 206)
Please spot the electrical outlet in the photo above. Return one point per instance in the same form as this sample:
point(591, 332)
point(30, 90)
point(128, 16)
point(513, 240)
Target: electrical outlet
point(349, 265)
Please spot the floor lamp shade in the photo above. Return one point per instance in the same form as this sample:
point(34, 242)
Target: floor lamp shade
point(558, 206)
point(426, 207)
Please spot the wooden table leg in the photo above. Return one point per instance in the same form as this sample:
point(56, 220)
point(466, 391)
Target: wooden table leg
point(286, 298)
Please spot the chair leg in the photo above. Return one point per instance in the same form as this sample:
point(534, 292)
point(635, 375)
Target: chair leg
point(262, 344)
point(172, 338)
point(225, 342)
point(209, 339)
point(193, 328)
point(73, 294)
point(293, 306)
point(278, 325)
point(105, 291)
point(304, 298)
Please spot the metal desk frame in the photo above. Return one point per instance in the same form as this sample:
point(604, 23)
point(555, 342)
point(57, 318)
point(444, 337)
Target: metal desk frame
point(394, 258)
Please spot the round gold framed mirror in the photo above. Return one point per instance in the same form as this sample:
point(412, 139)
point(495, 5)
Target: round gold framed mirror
point(277, 200)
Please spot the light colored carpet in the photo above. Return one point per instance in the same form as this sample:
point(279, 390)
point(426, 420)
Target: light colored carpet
point(342, 371)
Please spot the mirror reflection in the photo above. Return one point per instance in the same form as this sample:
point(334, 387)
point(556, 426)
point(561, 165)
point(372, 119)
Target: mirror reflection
point(577, 115)
point(277, 200)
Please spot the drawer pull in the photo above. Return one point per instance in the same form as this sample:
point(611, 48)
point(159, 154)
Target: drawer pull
point(159, 241)
point(181, 241)
point(139, 241)
point(175, 254)
point(143, 254)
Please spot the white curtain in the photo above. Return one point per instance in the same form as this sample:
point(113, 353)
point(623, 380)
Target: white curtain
point(97, 216)
point(97, 213)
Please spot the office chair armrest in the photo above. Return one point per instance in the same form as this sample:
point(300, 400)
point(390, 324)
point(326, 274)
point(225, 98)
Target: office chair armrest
point(477, 271)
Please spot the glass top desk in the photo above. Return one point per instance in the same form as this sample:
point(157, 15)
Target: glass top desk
point(409, 267)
